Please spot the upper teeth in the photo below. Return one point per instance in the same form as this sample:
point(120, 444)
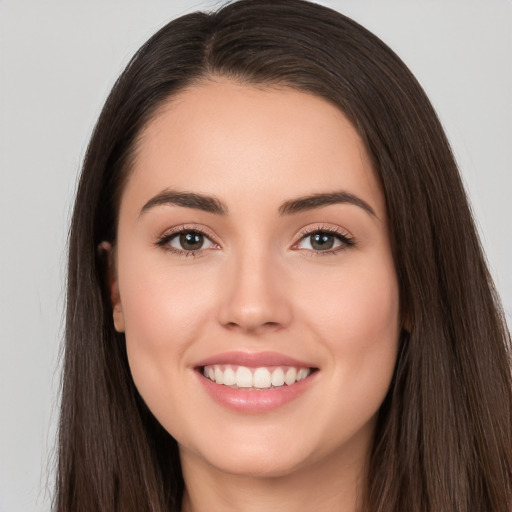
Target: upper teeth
point(260, 378)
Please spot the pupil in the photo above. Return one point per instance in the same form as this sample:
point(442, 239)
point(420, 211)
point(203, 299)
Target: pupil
point(191, 241)
point(321, 241)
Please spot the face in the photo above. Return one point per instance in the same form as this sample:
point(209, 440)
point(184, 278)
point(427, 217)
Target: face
point(254, 280)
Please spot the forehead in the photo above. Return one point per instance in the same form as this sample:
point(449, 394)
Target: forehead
point(241, 141)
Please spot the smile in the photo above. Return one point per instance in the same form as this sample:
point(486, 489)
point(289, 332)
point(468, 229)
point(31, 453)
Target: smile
point(244, 377)
point(252, 383)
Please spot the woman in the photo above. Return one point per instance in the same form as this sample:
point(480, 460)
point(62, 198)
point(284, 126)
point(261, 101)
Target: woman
point(276, 296)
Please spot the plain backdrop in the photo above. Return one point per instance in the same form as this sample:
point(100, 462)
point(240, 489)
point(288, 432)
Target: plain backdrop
point(58, 60)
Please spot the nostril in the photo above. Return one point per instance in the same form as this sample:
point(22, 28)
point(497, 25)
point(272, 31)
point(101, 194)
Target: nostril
point(249, 326)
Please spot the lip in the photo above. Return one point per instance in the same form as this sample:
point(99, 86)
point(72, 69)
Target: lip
point(253, 360)
point(254, 401)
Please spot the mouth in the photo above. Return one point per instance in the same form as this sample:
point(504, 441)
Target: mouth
point(255, 378)
point(255, 382)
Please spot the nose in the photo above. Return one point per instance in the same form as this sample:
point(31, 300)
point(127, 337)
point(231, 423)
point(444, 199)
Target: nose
point(254, 295)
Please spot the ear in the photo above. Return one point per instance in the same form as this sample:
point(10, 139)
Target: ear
point(407, 323)
point(107, 253)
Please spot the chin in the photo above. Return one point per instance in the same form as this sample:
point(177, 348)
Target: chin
point(256, 462)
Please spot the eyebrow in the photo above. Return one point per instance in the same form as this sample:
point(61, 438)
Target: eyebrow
point(319, 200)
point(213, 205)
point(186, 200)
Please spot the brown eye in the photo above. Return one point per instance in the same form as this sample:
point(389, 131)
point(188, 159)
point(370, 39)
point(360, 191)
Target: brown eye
point(187, 242)
point(322, 241)
point(191, 241)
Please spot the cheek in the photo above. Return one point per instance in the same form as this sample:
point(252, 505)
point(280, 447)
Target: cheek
point(163, 300)
point(165, 310)
point(355, 307)
point(358, 327)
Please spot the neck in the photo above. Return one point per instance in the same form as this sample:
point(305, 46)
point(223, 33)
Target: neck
point(333, 484)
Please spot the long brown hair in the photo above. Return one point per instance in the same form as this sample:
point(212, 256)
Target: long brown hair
point(443, 441)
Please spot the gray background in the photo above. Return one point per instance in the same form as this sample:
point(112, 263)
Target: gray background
point(58, 60)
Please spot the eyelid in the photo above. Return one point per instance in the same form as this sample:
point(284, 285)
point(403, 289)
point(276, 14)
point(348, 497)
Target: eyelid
point(203, 230)
point(346, 239)
point(163, 239)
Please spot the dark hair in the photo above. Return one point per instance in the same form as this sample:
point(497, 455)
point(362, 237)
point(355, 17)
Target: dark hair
point(443, 440)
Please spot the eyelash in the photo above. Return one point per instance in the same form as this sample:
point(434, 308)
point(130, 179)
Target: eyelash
point(164, 241)
point(346, 240)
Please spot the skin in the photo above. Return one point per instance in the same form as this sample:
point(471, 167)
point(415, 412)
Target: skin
point(258, 285)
